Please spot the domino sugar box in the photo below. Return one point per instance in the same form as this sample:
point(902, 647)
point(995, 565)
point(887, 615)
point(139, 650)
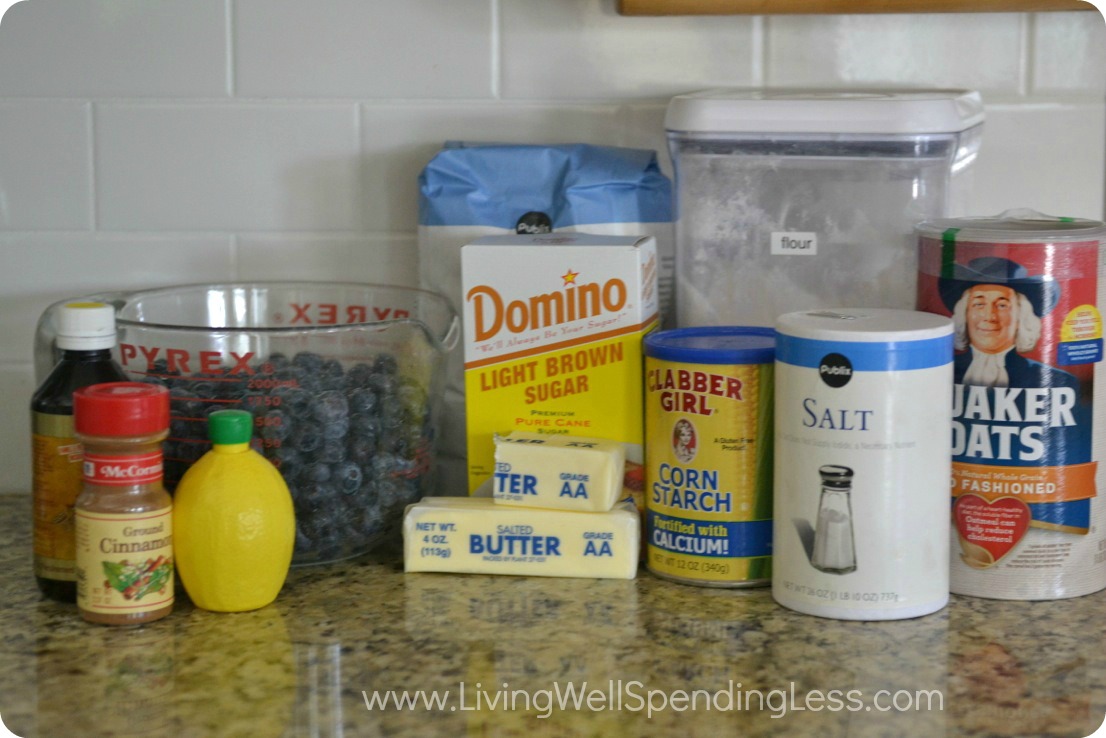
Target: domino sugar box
point(553, 329)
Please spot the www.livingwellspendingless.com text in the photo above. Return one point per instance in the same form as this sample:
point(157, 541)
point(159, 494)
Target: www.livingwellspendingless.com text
point(634, 696)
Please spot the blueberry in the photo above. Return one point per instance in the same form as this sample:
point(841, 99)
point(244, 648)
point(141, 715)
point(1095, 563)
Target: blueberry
point(330, 407)
point(276, 425)
point(336, 430)
point(314, 473)
point(358, 376)
point(307, 436)
point(185, 403)
point(333, 451)
point(294, 376)
point(372, 521)
point(346, 476)
point(362, 449)
point(384, 465)
point(385, 364)
point(254, 402)
point(287, 460)
point(191, 451)
point(332, 369)
point(384, 385)
point(311, 497)
point(179, 427)
point(293, 400)
point(362, 401)
point(393, 416)
point(318, 523)
point(229, 388)
point(303, 543)
point(397, 445)
point(390, 493)
point(204, 389)
point(308, 361)
point(364, 425)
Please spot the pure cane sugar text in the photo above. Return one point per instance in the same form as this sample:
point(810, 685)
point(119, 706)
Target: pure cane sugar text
point(553, 329)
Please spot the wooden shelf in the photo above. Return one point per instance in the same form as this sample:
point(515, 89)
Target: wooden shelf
point(780, 7)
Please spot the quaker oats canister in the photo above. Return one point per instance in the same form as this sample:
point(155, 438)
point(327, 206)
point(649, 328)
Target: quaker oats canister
point(1024, 291)
point(861, 517)
point(708, 455)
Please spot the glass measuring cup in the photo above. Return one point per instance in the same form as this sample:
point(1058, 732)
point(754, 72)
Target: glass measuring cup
point(344, 381)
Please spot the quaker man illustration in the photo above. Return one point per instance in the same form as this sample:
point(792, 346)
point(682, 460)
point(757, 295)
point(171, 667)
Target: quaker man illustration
point(996, 311)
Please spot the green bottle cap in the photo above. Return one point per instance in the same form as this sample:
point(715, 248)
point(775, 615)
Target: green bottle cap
point(227, 427)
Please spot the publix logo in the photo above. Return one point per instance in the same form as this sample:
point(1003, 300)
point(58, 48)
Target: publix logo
point(534, 222)
point(835, 370)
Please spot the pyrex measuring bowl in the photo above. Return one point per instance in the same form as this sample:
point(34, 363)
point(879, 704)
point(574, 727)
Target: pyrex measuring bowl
point(343, 380)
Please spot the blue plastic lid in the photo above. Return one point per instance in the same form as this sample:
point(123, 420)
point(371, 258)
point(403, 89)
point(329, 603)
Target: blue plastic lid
point(713, 345)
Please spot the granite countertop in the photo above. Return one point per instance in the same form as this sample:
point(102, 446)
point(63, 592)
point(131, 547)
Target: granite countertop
point(305, 665)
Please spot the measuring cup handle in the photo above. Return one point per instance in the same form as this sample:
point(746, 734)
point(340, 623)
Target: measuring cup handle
point(453, 334)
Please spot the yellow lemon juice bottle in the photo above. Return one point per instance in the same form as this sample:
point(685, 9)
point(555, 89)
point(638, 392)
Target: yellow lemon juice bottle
point(233, 522)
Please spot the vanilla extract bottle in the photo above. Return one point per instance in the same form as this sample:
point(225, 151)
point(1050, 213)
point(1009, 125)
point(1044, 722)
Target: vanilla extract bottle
point(85, 337)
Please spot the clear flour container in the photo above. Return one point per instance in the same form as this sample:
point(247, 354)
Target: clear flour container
point(799, 199)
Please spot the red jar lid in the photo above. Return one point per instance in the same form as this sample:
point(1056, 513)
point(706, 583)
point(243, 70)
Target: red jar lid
point(121, 409)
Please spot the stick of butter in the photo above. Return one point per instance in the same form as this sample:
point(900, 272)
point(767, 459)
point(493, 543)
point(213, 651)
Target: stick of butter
point(558, 472)
point(474, 535)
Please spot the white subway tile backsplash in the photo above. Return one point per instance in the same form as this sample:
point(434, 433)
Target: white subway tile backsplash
point(17, 384)
point(1045, 157)
point(232, 167)
point(1069, 53)
point(361, 258)
point(363, 48)
point(980, 51)
point(583, 49)
point(45, 166)
point(150, 143)
point(114, 48)
point(40, 269)
point(642, 127)
point(399, 141)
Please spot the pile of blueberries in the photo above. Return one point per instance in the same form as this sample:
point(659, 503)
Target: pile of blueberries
point(354, 445)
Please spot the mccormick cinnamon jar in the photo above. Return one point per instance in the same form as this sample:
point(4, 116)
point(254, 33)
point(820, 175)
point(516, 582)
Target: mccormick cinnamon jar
point(123, 515)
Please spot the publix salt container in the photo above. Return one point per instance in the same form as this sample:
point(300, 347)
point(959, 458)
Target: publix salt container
point(708, 455)
point(1025, 292)
point(861, 514)
point(805, 199)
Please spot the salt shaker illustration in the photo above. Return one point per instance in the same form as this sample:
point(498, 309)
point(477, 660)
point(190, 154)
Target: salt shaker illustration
point(834, 548)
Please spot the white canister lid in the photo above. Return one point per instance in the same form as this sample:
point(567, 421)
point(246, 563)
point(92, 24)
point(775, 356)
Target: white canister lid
point(812, 111)
point(85, 326)
point(864, 325)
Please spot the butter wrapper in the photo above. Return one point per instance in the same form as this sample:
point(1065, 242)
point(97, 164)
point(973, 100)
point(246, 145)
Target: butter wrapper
point(474, 535)
point(558, 472)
